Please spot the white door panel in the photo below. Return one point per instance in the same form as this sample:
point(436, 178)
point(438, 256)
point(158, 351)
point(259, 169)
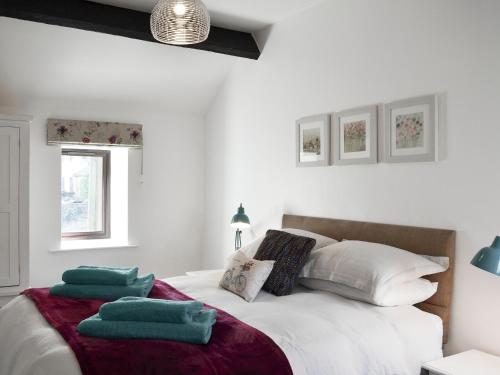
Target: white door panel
point(9, 206)
point(4, 168)
point(4, 245)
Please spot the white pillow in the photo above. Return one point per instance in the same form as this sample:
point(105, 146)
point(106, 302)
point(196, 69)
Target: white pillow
point(321, 241)
point(245, 276)
point(251, 249)
point(443, 261)
point(367, 266)
point(409, 293)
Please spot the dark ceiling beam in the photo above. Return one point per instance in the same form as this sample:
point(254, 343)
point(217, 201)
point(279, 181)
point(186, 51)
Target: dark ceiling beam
point(87, 15)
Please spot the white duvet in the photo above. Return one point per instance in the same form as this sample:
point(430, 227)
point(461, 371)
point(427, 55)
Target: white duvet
point(319, 332)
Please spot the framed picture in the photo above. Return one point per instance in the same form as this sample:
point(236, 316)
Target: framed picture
point(354, 136)
point(313, 141)
point(410, 130)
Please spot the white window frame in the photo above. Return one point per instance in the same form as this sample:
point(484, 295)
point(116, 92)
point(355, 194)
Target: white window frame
point(106, 181)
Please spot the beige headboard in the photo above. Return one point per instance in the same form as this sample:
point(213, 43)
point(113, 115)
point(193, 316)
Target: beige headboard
point(425, 241)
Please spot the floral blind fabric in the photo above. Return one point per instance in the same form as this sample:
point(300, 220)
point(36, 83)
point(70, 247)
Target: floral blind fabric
point(94, 133)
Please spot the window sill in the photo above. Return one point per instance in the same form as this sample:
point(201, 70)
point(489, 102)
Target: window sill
point(79, 245)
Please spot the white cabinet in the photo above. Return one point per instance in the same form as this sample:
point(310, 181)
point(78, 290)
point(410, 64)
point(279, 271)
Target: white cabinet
point(14, 204)
point(9, 206)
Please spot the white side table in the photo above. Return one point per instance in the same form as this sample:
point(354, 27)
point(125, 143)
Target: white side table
point(205, 273)
point(466, 363)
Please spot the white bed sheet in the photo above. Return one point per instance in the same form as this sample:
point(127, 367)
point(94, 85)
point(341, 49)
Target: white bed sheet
point(320, 333)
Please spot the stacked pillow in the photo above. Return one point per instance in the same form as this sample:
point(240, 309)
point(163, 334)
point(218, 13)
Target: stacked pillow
point(408, 293)
point(379, 274)
point(370, 272)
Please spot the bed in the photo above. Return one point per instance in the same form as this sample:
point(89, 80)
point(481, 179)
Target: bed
point(319, 332)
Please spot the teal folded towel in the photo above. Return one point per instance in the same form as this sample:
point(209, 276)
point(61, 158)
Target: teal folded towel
point(198, 331)
point(150, 310)
point(100, 275)
point(140, 288)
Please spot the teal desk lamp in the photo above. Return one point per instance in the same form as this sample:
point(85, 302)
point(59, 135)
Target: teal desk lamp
point(488, 258)
point(239, 221)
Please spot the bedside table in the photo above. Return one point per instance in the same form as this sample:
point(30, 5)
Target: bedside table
point(466, 363)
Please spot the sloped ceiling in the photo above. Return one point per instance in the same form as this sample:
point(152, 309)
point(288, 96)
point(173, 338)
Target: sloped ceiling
point(44, 61)
point(52, 62)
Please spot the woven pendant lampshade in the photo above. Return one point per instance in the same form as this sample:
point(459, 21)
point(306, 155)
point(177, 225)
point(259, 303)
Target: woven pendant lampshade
point(180, 22)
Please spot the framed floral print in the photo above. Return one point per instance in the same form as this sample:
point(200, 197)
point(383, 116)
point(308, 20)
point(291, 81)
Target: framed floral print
point(411, 130)
point(354, 136)
point(313, 141)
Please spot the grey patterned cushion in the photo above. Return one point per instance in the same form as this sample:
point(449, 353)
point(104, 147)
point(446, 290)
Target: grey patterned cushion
point(290, 253)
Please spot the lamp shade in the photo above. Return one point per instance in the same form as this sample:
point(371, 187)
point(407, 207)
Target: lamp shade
point(488, 258)
point(240, 220)
point(180, 22)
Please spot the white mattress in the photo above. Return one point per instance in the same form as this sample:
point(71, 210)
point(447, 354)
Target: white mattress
point(319, 332)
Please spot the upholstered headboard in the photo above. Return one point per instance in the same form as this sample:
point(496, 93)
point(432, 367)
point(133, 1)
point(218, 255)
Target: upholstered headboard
point(425, 241)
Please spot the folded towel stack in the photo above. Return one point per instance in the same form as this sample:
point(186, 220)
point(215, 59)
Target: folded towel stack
point(104, 283)
point(144, 318)
point(100, 275)
point(151, 310)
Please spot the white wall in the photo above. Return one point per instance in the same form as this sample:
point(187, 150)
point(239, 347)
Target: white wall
point(165, 211)
point(344, 54)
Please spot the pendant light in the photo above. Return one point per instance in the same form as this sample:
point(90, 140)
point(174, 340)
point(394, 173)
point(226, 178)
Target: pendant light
point(180, 22)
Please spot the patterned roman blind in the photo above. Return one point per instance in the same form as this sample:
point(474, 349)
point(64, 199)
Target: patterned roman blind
point(94, 133)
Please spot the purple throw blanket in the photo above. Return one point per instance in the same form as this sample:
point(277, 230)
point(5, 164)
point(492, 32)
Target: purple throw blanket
point(235, 347)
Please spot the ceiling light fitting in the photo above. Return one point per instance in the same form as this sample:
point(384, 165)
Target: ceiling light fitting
point(180, 22)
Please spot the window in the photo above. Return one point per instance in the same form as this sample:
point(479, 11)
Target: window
point(85, 198)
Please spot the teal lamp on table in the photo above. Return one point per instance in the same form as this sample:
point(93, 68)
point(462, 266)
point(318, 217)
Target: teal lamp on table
point(488, 258)
point(239, 221)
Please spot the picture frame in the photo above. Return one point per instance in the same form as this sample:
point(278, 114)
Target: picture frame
point(313, 141)
point(411, 130)
point(355, 136)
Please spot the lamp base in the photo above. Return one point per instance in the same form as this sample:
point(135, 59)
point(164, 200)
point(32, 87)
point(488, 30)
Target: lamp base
point(237, 240)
